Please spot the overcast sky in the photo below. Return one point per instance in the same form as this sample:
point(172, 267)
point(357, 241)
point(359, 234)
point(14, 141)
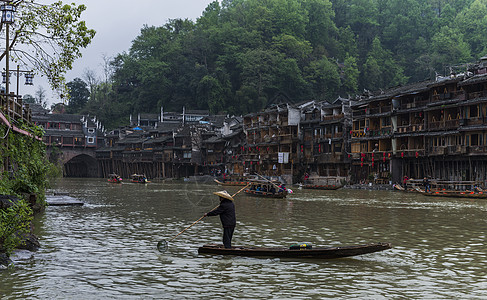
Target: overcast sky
point(117, 24)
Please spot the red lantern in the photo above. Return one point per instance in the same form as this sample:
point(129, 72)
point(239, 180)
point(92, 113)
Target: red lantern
point(402, 154)
point(361, 159)
point(384, 154)
point(384, 159)
point(350, 132)
point(302, 148)
point(372, 164)
point(361, 164)
point(389, 155)
point(372, 159)
point(349, 156)
point(372, 154)
point(417, 154)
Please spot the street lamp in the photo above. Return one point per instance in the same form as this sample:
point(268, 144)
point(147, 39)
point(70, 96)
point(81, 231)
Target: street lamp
point(4, 77)
point(29, 78)
point(8, 13)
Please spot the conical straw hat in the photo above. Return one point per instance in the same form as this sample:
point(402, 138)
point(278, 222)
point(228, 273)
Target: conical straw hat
point(224, 194)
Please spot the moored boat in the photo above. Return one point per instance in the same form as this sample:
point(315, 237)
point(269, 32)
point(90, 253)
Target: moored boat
point(114, 178)
point(319, 253)
point(456, 194)
point(322, 183)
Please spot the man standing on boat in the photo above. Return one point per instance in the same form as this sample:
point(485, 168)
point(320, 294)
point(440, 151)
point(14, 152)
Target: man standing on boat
point(426, 183)
point(226, 210)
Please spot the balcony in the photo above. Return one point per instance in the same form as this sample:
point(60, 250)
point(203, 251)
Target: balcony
point(380, 132)
point(379, 110)
point(444, 125)
point(414, 104)
point(441, 150)
point(410, 128)
point(475, 121)
point(456, 150)
point(358, 133)
point(475, 95)
point(477, 150)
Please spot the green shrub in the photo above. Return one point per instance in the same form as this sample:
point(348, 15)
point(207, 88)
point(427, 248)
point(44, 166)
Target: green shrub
point(14, 222)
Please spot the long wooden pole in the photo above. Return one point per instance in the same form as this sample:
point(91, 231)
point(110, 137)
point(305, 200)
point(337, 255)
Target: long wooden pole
point(268, 180)
point(205, 215)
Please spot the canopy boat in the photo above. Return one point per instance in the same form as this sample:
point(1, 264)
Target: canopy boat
point(267, 189)
point(454, 189)
point(322, 183)
point(296, 252)
point(114, 178)
point(455, 194)
point(136, 178)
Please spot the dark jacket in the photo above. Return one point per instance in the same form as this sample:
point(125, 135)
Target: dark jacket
point(226, 210)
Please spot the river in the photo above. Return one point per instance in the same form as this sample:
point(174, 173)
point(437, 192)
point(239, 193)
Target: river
point(106, 249)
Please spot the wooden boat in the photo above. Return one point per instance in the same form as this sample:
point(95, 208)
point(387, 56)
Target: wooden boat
point(322, 183)
point(114, 178)
point(456, 194)
point(266, 189)
point(137, 178)
point(321, 253)
point(398, 187)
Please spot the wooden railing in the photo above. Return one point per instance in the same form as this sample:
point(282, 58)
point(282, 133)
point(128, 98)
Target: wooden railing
point(12, 107)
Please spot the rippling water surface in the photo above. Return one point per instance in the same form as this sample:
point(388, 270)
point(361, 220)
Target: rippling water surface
point(106, 249)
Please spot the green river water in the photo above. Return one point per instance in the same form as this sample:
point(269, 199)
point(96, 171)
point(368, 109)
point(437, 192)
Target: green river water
point(106, 249)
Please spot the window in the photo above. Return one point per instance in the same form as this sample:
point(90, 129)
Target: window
point(187, 154)
point(91, 130)
point(91, 140)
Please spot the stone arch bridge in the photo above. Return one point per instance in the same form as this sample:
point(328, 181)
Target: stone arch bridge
point(76, 161)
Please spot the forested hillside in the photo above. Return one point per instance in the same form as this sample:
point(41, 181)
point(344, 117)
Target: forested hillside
point(240, 54)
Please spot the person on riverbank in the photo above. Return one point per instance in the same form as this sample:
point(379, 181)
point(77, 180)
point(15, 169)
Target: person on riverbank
point(226, 210)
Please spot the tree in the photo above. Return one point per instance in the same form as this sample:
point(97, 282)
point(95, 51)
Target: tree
point(78, 95)
point(380, 69)
point(448, 48)
point(48, 38)
point(41, 96)
point(472, 23)
point(27, 98)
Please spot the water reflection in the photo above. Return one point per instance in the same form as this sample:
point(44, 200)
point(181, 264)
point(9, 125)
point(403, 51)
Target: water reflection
point(107, 248)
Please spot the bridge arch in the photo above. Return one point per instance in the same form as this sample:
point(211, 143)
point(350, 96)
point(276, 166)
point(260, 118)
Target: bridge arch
point(82, 165)
point(76, 162)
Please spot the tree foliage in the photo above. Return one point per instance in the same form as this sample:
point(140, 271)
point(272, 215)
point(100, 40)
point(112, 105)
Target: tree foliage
point(31, 173)
point(240, 54)
point(78, 95)
point(48, 38)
